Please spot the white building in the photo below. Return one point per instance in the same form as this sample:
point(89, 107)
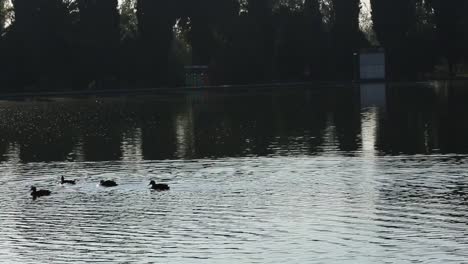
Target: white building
point(372, 65)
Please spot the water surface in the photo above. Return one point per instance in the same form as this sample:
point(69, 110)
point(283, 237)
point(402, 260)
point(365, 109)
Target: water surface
point(369, 175)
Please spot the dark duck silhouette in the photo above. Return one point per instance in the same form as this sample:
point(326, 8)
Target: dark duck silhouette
point(35, 193)
point(63, 181)
point(108, 183)
point(159, 186)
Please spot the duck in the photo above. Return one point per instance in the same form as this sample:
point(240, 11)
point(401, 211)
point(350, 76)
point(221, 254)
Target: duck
point(108, 183)
point(63, 181)
point(35, 193)
point(159, 186)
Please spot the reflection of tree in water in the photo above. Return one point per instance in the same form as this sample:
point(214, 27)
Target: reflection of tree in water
point(102, 132)
point(40, 147)
point(299, 125)
point(231, 127)
point(5, 140)
point(218, 126)
point(348, 120)
point(310, 114)
point(3, 149)
point(102, 143)
point(420, 121)
point(453, 122)
point(158, 131)
point(273, 123)
point(43, 132)
point(255, 124)
point(51, 131)
point(214, 125)
point(103, 124)
point(406, 126)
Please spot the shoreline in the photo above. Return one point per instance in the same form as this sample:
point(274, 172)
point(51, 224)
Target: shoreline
point(215, 88)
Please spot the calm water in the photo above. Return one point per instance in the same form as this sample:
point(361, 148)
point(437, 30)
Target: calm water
point(339, 175)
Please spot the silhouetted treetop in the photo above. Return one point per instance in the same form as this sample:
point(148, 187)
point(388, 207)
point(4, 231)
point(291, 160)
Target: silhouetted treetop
point(96, 44)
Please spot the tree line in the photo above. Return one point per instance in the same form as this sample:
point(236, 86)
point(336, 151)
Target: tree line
point(96, 44)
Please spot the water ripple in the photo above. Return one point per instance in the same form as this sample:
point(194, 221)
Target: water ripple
point(298, 209)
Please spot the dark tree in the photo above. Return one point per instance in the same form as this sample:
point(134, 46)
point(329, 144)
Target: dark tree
point(422, 52)
point(346, 36)
point(393, 21)
point(40, 42)
point(300, 40)
point(128, 20)
point(156, 20)
point(208, 25)
point(260, 9)
point(465, 34)
point(84, 44)
point(315, 40)
point(3, 16)
point(261, 38)
point(201, 33)
point(450, 23)
point(98, 42)
point(346, 20)
point(221, 48)
point(391, 29)
point(128, 75)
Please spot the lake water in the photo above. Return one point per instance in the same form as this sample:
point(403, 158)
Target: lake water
point(373, 174)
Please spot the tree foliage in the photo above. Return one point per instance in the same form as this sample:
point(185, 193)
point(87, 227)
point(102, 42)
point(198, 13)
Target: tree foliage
point(128, 20)
point(3, 15)
point(86, 44)
point(346, 35)
point(98, 42)
point(155, 25)
point(41, 35)
point(450, 20)
point(393, 30)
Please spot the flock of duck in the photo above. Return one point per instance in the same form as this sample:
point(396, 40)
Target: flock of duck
point(104, 183)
